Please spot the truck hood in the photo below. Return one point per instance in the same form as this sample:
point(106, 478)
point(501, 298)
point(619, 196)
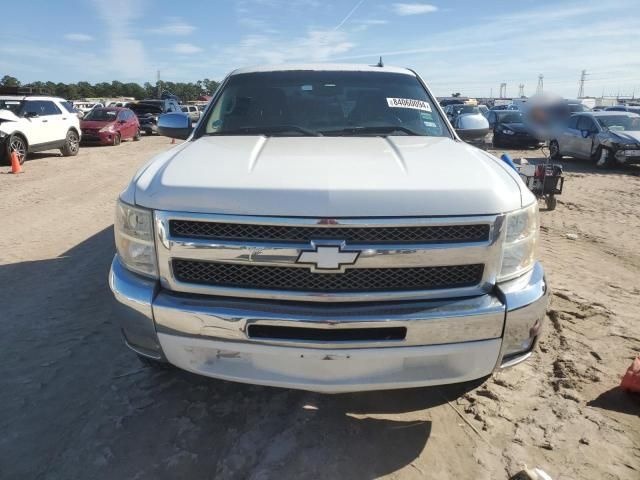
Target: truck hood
point(328, 177)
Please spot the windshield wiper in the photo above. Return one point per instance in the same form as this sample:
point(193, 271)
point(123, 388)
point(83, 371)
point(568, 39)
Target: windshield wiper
point(386, 129)
point(268, 130)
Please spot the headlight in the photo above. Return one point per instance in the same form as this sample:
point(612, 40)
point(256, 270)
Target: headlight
point(134, 239)
point(521, 240)
point(108, 128)
point(507, 131)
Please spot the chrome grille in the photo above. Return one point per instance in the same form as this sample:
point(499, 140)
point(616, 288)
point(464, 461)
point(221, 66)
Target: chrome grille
point(302, 279)
point(429, 234)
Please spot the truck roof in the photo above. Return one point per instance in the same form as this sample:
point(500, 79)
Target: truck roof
point(323, 67)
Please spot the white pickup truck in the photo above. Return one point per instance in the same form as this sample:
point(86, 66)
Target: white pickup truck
point(323, 227)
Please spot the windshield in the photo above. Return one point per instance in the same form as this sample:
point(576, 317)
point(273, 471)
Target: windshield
point(101, 115)
point(146, 107)
point(619, 123)
point(324, 103)
point(511, 117)
point(11, 105)
point(464, 109)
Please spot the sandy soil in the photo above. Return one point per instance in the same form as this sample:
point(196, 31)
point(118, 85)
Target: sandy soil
point(76, 404)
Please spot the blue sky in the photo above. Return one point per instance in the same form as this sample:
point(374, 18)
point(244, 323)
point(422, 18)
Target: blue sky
point(468, 46)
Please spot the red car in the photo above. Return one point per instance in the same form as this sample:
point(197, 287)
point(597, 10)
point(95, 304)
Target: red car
point(109, 126)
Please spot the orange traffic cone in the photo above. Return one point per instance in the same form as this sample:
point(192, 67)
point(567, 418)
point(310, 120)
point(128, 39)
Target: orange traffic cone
point(15, 163)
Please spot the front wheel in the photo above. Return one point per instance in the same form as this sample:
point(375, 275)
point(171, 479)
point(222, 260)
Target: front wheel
point(137, 136)
point(554, 151)
point(604, 158)
point(71, 144)
point(116, 140)
point(18, 145)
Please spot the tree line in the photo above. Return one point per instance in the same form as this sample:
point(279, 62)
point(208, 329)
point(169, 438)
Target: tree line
point(80, 90)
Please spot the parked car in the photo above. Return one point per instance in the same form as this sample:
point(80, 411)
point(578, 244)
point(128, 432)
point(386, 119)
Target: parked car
point(192, 111)
point(124, 104)
point(484, 110)
point(86, 107)
point(623, 108)
point(148, 112)
point(109, 126)
point(324, 228)
point(510, 129)
point(36, 123)
point(501, 107)
point(608, 138)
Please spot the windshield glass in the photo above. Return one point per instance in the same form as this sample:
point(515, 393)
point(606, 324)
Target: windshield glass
point(618, 123)
point(11, 105)
point(510, 117)
point(101, 115)
point(146, 107)
point(294, 103)
point(464, 109)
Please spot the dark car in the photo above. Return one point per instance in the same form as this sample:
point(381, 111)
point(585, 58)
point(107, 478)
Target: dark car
point(148, 112)
point(608, 138)
point(109, 126)
point(510, 129)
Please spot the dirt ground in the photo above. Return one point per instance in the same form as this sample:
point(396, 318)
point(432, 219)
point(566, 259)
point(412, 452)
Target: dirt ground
point(75, 403)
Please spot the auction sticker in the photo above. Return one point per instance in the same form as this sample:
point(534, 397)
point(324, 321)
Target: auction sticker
point(408, 103)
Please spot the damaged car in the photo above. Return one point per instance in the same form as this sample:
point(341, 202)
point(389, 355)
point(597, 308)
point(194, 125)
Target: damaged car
point(608, 138)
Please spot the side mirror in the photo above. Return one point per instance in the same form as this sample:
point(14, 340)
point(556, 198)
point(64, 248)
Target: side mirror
point(472, 127)
point(175, 125)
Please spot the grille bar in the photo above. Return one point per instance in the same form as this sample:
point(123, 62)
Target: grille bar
point(352, 235)
point(274, 332)
point(302, 279)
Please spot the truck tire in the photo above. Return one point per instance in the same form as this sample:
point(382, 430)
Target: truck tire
point(71, 144)
point(17, 144)
point(554, 151)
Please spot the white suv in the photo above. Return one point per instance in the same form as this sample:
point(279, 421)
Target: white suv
point(37, 123)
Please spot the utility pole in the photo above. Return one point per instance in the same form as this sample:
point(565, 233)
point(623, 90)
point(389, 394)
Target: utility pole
point(583, 78)
point(491, 93)
point(159, 85)
point(521, 90)
point(503, 90)
point(540, 88)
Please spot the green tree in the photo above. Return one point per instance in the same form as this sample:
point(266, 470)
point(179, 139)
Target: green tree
point(9, 81)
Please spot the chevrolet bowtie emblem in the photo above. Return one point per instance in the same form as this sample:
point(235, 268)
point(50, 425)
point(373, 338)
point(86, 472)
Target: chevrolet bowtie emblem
point(327, 257)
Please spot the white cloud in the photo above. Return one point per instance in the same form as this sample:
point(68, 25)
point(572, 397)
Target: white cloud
point(174, 26)
point(78, 37)
point(185, 49)
point(316, 46)
point(413, 8)
point(126, 54)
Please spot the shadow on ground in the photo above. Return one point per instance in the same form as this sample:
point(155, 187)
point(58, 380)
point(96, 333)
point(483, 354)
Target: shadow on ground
point(77, 404)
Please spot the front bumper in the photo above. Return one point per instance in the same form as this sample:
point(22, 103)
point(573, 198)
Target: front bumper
point(101, 138)
point(447, 341)
point(148, 127)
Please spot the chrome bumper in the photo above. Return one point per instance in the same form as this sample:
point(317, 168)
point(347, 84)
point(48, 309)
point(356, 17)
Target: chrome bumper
point(447, 341)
